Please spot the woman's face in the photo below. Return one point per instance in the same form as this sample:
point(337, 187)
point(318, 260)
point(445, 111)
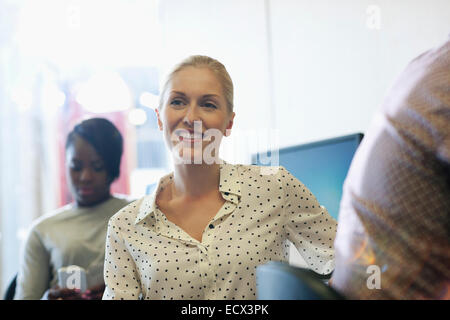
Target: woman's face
point(88, 179)
point(194, 115)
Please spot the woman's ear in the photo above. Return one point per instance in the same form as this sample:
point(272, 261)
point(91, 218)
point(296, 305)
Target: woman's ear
point(230, 125)
point(160, 126)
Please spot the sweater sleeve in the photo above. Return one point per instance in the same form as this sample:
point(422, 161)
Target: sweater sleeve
point(34, 271)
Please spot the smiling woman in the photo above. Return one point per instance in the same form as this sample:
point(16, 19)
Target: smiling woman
point(196, 103)
point(208, 225)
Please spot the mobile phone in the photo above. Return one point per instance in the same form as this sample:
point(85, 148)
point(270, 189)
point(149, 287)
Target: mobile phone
point(72, 277)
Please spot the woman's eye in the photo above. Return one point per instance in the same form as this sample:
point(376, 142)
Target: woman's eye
point(177, 102)
point(99, 169)
point(75, 168)
point(210, 105)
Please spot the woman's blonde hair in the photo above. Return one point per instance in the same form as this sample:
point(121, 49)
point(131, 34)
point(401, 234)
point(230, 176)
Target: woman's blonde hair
point(215, 66)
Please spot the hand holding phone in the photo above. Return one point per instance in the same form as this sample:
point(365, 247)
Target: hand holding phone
point(72, 277)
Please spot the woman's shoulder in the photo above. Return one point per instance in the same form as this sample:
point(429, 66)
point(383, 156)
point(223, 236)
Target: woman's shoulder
point(131, 209)
point(121, 200)
point(255, 171)
point(48, 220)
point(70, 211)
point(274, 176)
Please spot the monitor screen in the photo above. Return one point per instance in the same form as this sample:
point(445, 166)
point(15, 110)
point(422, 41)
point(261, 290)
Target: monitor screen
point(322, 166)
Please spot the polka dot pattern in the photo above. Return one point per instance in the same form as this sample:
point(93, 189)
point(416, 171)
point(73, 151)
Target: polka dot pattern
point(149, 257)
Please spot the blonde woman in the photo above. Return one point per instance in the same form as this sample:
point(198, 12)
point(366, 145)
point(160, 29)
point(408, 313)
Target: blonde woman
point(209, 224)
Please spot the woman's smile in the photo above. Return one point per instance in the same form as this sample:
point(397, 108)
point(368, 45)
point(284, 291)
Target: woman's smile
point(194, 111)
point(188, 136)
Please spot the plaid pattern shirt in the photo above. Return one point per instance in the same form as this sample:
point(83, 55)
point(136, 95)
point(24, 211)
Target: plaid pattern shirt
point(394, 223)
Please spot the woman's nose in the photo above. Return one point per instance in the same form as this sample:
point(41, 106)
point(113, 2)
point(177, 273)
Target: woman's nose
point(191, 115)
point(86, 174)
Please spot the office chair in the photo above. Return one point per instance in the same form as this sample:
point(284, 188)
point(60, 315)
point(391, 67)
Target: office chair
point(281, 281)
point(11, 290)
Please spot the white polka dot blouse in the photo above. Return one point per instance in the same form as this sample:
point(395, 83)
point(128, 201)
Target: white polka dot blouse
point(149, 257)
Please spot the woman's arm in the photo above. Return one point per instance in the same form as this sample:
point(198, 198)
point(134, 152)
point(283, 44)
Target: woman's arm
point(121, 278)
point(34, 272)
point(308, 225)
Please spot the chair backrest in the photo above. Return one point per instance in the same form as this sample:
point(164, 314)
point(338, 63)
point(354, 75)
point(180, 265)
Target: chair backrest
point(281, 281)
point(11, 290)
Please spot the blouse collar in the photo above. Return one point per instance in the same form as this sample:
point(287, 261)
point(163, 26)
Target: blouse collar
point(229, 186)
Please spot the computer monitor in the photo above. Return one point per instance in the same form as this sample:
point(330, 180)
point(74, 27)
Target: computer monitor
point(322, 166)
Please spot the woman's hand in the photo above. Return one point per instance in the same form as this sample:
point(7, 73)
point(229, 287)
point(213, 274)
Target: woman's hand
point(57, 293)
point(94, 293)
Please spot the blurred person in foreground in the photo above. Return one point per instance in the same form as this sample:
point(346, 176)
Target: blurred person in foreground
point(75, 234)
point(394, 222)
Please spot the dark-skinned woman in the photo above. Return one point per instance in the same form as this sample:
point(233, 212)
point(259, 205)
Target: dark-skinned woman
point(74, 235)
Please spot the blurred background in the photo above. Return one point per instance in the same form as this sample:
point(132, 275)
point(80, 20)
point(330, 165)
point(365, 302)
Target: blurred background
point(302, 71)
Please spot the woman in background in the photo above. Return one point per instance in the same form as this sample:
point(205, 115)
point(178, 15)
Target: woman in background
point(209, 224)
point(75, 234)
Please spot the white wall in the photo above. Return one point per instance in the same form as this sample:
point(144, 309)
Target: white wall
point(332, 69)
